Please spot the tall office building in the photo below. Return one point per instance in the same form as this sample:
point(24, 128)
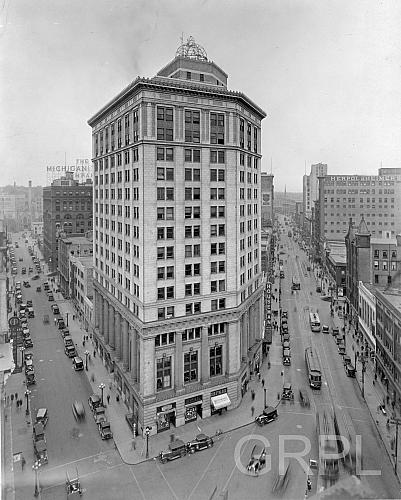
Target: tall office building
point(310, 189)
point(177, 207)
point(67, 210)
point(375, 198)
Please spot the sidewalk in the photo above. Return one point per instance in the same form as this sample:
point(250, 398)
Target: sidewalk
point(18, 440)
point(134, 451)
point(374, 395)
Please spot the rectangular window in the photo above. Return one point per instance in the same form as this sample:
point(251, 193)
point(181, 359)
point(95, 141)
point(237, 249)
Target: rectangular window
point(216, 128)
point(216, 360)
point(192, 155)
point(192, 126)
point(163, 373)
point(190, 366)
point(165, 123)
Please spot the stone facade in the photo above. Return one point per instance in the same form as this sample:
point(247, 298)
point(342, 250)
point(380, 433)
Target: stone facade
point(177, 278)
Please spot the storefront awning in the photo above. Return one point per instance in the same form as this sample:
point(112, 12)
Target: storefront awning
point(220, 401)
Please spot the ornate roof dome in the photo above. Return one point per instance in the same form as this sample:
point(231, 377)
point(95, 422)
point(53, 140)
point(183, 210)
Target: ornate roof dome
point(191, 49)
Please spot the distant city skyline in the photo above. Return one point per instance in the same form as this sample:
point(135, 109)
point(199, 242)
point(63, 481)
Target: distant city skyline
point(327, 74)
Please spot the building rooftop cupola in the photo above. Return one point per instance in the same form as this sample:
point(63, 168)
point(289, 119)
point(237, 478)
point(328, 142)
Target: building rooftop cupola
point(192, 64)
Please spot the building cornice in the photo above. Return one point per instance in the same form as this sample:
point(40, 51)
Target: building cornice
point(174, 86)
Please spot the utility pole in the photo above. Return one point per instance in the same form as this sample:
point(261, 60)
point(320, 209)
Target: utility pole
point(362, 359)
point(396, 422)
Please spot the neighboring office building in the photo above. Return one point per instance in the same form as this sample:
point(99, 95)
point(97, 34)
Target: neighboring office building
point(336, 263)
point(388, 339)
point(73, 245)
point(367, 317)
point(267, 199)
point(376, 198)
point(81, 288)
point(178, 286)
point(67, 209)
point(385, 259)
point(310, 187)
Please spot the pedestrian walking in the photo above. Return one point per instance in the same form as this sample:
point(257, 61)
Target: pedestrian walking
point(108, 398)
point(23, 462)
point(259, 376)
point(94, 353)
point(263, 382)
point(252, 410)
point(16, 396)
point(253, 395)
point(73, 317)
point(117, 398)
point(83, 342)
point(133, 444)
point(12, 398)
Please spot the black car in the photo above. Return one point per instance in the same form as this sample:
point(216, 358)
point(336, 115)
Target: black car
point(176, 449)
point(269, 415)
point(336, 331)
point(28, 342)
point(201, 442)
point(94, 401)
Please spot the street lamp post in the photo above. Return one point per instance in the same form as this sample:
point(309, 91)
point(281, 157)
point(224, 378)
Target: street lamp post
point(67, 318)
point(86, 359)
point(27, 393)
point(36, 467)
point(264, 397)
point(147, 432)
point(101, 387)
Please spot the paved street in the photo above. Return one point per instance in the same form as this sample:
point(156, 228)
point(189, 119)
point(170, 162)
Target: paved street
point(105, 475)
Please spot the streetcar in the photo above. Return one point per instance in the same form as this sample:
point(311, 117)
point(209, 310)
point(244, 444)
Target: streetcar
point(314, 322)
point(296, 284)
point(347, 444)
point(313, 368)
point(329, 464)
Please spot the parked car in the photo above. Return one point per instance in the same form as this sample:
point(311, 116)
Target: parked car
point(78, 410)
point(94, 401)
point(336, 331)
point(269, 415)
point(318, 289)
point(99, 414)
point(201, 442)
point(70, 351)
point(31, 312)
point(55, 309)
point(176, 449)
point(325, 329)
point(50, 298)
point(104, 430)
point(42, 416)
point(77, 363)
point(23, 271)
point(28, 342)
point(30, 378)
point(29, 303)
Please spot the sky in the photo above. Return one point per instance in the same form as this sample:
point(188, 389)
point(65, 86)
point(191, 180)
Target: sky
point(326, 72)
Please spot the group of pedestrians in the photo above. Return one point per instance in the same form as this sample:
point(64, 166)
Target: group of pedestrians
point(13, 397)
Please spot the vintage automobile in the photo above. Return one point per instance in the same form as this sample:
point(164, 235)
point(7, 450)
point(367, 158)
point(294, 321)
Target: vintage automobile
point(325, 329)
point(201, 442)
point(77, 363)
point(257, 460)
point(70, 351)
point(284, 314)
point(23, 270)
point(28, 342)
point(36, 277)
point(336, 331)
point(341, 350)
point(350, 370)
point(46, 319)
point(287, 391)
point(78, 410)
point(27, 284)
point(38, 432)
point(50, 298)
point(346, 360)
point(72, 486)
point(40, 450)
point(318, 289)
point(286, 357)
point(269, 415)
point(104, 430)
point(94, 401)
point(175, 450)
point(55, 309)
point(30, 378)
point(99, 414)
point(42, 416)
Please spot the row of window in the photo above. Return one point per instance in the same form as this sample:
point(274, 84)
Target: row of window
point(190, 251)
point(191, 367)
point(167, 272)
point(167, 292)
point(165, 339)
point(168, 312)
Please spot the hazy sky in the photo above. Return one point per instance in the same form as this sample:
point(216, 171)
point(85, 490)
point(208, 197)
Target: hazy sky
point(328, 74)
